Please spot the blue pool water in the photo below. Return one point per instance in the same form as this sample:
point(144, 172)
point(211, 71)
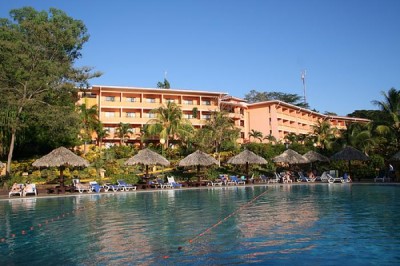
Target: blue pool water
point(317, 224)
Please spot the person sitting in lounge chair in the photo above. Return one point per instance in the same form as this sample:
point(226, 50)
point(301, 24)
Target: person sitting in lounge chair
point(346, 178)
point(287, 178)
point(29, 189)
point(16, 189)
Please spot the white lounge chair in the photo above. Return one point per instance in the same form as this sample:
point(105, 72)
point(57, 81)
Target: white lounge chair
point(29, 189)
point(234, 180)
point(162, 184)
point(125, 186)
point(81, 187)
point(381, 177)
point(275, 179)
point(304, 178)
point(16, 189)
point(328, 177)
point(173, 183)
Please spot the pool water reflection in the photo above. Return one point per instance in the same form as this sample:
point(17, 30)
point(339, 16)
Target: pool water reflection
point(327, 224)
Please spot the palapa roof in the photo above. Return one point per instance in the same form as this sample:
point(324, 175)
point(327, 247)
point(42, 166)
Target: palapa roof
point(348, 154)
point(313, 156)
point(2, 165)
point(247, 156)
point(198, 158)
point(147, 157)
point(291, 157)
point(60, 157)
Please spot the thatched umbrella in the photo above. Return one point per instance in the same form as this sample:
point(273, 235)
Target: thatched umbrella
point(247, 157)
point(60, 157)
point(147, 157)
point(198, 158)
point(350, 154)
point(313, 156)
point(290, 157)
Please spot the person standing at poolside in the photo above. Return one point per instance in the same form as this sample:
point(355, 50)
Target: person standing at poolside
point(391, 173)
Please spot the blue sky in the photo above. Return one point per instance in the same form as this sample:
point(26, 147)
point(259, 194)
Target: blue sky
point(350, 49)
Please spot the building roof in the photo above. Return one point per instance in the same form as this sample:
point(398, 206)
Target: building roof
point(292, 106)
point(157, 90)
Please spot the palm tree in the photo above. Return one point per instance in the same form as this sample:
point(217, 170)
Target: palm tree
point(270, 138)
point(89, 121)
point(123, 132)
point(101, 133)
point(325, 135)
point(256, 135)
point(219, 130)
point(163, 85)
point(391, 106)
point(169, 123)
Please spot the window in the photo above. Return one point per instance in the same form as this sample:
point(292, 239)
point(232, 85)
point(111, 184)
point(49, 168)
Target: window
point(150, 115)
point(109, 129)
point(130, 114)
point(188, 102)
point(110, 98)
point(150, 100)
point(188, 116)
point(131, 99)
point(169, 100)
point(207, 117)
point(242, 135)
point(206, 102)
point(109, 114)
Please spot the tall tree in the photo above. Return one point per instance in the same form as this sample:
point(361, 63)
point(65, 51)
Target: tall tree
point(169, 123)
point(101, 133)
point(89, 121)
point(123, 132)
point(391, 107)
point(38, 52)
point(255, 96)
point(218, 132)
point(163, 85)
point(256, 135)
point(325, 134)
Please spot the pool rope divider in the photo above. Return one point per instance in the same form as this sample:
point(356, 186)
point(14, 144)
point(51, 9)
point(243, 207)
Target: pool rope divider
point(210, 228)
point(40, 225)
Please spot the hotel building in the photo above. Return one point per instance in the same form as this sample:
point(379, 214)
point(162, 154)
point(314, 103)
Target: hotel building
point(132, 105)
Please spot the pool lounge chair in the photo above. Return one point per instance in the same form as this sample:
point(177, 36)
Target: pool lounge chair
point(113, 187)
point(216, 182)
point(16, 189)
point(173, 183)
point(303, 178)
point(95, 187)
point(381, 177)
point(29, 189)
point(331, 178)
point(81, 187)
point(162, 184)
point(125, 186)
point(234, 180)
point(263, 179)
point(275, 179)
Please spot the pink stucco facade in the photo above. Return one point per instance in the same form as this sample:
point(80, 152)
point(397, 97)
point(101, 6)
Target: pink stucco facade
point(132, 105)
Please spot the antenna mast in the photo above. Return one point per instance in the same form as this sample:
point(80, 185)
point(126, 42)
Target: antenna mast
point(303, 78)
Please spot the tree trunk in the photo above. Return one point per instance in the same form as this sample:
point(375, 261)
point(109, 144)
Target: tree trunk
point(11, 151)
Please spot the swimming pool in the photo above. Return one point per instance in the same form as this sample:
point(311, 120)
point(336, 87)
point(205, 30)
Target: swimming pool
point(321, 224)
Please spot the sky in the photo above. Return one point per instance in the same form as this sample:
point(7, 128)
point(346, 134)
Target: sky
point(350, 49)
